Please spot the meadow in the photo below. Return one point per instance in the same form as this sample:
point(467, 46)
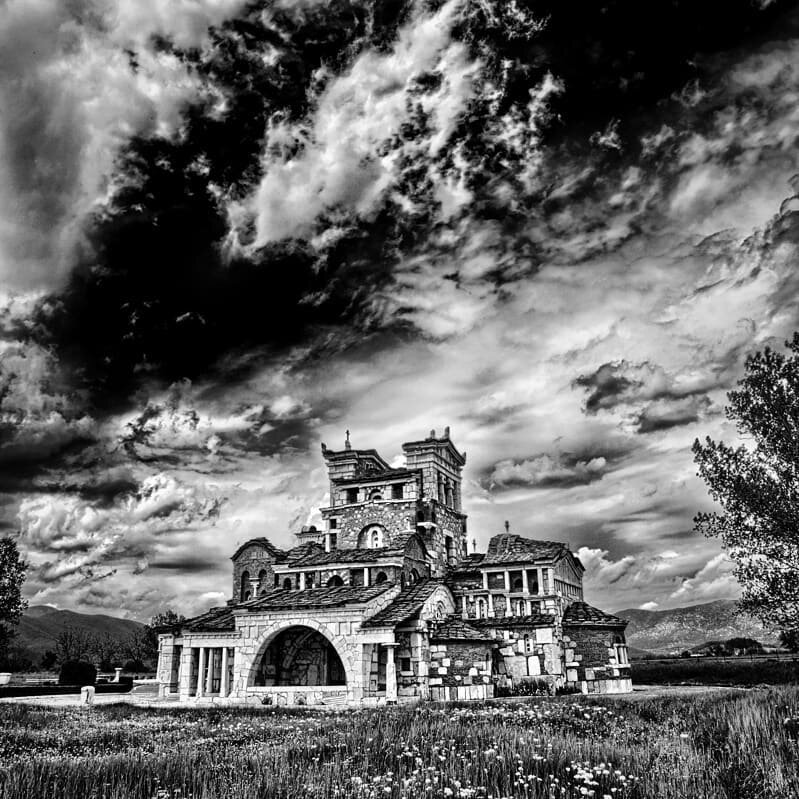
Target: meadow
point(723, 744)
point(716, 671)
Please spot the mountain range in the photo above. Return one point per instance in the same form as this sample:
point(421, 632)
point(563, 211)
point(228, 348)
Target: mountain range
point(659, 632)
point(665, 632)
point(41, 624)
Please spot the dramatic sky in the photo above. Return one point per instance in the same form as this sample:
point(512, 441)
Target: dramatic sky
point(230, 231)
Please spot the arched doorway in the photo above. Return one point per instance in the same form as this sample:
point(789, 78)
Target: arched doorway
point(299, 656)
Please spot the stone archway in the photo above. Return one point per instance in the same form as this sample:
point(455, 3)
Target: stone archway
point(301, 657)
point(308, 633)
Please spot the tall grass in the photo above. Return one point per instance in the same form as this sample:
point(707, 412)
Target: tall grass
point(733, 744)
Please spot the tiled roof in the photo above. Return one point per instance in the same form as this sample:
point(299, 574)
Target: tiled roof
point(301, 552)
point(583, 613)
point(356, 555)
point(286, 599)
point(505, 622)
point(262, 542)
point(216, 620)
point(510, 548)
point(405, 606)
point(456, 629)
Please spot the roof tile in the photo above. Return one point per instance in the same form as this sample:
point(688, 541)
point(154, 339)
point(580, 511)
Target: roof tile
point(405, 606)
point(583, 613)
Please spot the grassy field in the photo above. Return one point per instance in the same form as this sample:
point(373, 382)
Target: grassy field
point(725, 744)
point(712, 671)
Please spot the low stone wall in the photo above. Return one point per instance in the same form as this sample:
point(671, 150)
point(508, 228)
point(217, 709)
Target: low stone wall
point(286, 696)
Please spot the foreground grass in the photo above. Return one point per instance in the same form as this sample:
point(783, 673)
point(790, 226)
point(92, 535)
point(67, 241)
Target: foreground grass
point(727, 744)
point(709, 671)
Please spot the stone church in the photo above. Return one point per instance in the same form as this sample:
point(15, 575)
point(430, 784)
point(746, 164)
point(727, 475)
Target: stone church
point(385, 604)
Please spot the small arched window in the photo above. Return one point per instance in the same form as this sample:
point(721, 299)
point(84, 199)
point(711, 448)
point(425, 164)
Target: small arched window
point(309, 581)
point(481, 609)
point(287, 583)
point(414, 577)
point(245, 586)
point(381, 578)
point(518, 584)
point(375, 496)
point(519, 609)
point(335, 581)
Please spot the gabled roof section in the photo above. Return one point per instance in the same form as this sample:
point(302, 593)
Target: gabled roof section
point(276, 553)
point(511, 548)
point(285, 599)
point(215, 620)
point(355, 555)
point(301, 552)
point(406, 606)
point(455, 628)
point(583, 613)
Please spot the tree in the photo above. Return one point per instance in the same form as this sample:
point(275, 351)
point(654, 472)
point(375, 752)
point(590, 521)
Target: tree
point(12, 576)
point(106, 649)
point(757, 485)
point(73, 643)
point(790, 640)
point(164, 620)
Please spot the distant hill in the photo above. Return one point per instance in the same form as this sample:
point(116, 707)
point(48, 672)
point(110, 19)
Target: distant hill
point(40, 625)
point(664, 632)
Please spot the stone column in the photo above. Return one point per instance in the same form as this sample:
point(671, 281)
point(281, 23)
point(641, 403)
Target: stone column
point(485, 581)
point(391, 673)
point(302, 581)
point(366, 575)
point(508, 608)
point(525, 582)
point(209, 677)
point(200, 670)
point(464, 608)
point(184, 678)
point(540, 581)
point(507, 580)
point(255, 587)
point(490, 605)
point(224, 688)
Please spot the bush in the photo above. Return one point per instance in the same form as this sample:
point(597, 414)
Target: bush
point(133, 666)
point(77, 672)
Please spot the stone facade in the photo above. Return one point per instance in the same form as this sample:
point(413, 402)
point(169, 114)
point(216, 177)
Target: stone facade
point(386, 605)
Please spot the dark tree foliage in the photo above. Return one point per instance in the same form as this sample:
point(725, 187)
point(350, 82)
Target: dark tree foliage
point(12, 576)
point(757, 486)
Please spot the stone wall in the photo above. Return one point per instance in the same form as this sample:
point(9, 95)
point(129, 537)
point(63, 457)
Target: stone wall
point(396, 516)
point(460, 670)
point(253, 559)
point(590, 660)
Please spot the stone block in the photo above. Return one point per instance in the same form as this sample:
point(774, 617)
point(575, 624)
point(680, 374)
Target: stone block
point(423, 668)
point(506, 651)
point(571, 675)
point(544, 635)
point(486, 679)
point(534, 665)
point(569, 655)
point(473, 672)
point(436, 681)
point(446, 662)
point(442, 670)
point(589, 674)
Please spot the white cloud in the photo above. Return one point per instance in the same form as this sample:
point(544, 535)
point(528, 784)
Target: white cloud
point(345, 158)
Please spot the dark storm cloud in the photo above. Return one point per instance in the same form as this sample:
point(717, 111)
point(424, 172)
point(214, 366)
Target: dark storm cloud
point(155, 295)
point(663, 401)
point(581, 466)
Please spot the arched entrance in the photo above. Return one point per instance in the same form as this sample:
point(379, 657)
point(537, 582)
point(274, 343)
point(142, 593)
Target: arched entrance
point(299, 656)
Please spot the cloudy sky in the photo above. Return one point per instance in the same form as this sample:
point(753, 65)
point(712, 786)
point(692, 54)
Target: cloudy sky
point(230, 231)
